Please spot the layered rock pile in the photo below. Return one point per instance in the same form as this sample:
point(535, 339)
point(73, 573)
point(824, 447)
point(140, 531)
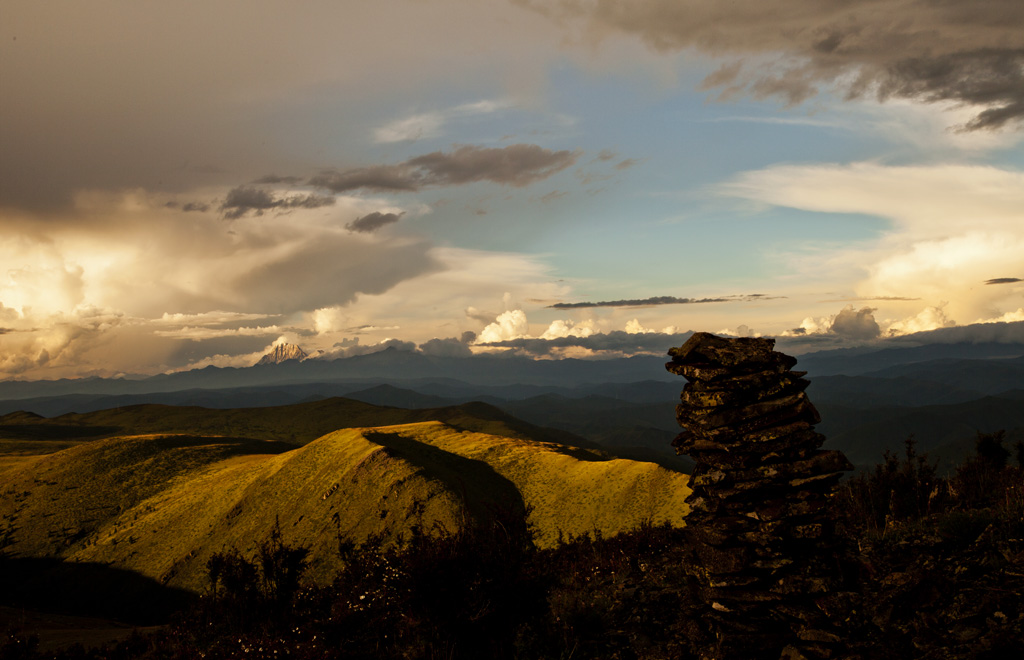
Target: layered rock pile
point(765, 555)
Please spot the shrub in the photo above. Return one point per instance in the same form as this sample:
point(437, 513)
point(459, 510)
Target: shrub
point(897, 490)
point(244, 593)
point(984, 480)
point(281, 567)
point(463, 594)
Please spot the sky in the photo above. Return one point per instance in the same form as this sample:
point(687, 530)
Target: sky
point(188, 184)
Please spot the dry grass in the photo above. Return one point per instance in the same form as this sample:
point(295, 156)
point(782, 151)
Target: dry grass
point(162, 504)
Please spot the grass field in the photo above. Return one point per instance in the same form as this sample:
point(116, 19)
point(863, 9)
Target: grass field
point(191, 482)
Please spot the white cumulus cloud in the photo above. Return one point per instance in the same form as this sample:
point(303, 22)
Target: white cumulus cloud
point(564, 328)
point(509, 325)
point(930, 318)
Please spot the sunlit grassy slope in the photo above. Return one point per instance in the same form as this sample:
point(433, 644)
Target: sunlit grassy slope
point(161, 504)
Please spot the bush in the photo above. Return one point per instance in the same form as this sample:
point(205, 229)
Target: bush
point(984, 480)
point(897, 490)
point(464, 594)
point(244, 592)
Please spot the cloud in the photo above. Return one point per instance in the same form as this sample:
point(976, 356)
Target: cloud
point(272, 179)
point(448, 301)
point(449, 347)
point(856, 324)
point(860, 325)
point(1008, 317)
point(329, 319)
point(200, 334)
point(566, 338)
point(740, 331)
point(243, 199)
point(237, 112)
point(950, 227)
point(509, 325)
point(873, 298)
point(953, 53)
point(211, 318)
point(933, 200)
point(1004, 280)
point(634, 326)
point(225, 360)
point(373, 221)
point(996, 332)
point(930, 318)
point(611, 344)
point(516, 165)
point(564, 328)
point(848, 324)
point(427, 125)
point(8, 315)
point(172, 284)
point(410, 129)
point(658, 300)
point(948, 269)
point(553, 195)
point(352, 348)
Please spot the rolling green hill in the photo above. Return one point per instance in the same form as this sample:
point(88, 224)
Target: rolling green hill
point(160, 504)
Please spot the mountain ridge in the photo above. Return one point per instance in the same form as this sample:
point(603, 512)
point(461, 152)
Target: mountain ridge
point(282, 353)
point(161, 504)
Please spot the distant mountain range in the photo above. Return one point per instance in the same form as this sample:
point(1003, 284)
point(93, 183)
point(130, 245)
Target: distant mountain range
point(870, 400)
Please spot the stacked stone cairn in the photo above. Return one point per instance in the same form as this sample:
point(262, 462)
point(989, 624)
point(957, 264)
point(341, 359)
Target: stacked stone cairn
point(765, 556)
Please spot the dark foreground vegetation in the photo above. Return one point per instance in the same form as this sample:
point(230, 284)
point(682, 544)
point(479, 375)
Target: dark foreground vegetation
point(935, 565)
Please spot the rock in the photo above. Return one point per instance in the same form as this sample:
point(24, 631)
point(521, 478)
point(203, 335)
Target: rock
point(283, 353)
point(757, 523)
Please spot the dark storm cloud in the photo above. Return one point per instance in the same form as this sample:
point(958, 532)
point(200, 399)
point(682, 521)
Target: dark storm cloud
point(243, 199)
point(921, 50)
point(659, 300)
point(1004, 280)
point(654, 343)
point(373, 221)
point(515, 165)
